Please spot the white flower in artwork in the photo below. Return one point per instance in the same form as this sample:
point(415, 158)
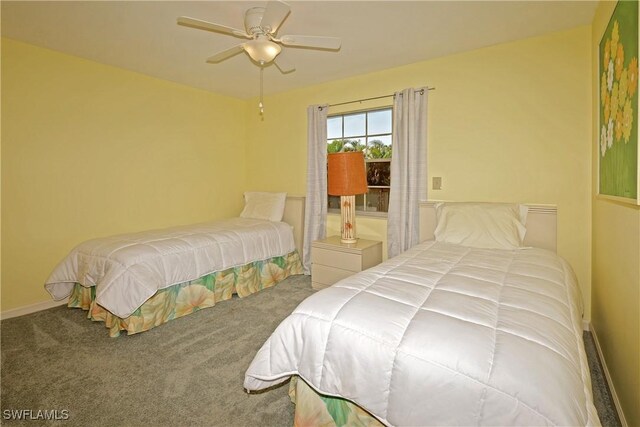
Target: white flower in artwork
point(610, 73)
point(610, 133)
point(603, 140)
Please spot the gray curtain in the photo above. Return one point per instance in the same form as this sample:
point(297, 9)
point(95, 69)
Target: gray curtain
point(408, 169)
point(315, 210)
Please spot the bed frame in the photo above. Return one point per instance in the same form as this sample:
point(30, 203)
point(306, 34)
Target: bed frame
point(294, 216)
point(541, 225)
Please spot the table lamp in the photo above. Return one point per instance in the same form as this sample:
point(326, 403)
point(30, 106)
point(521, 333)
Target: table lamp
point(346, 178)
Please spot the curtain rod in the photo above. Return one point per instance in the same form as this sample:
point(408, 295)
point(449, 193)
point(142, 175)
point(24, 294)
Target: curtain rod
point(375, 97)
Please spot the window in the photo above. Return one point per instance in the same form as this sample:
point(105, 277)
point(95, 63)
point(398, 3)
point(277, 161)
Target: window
point(369, 132)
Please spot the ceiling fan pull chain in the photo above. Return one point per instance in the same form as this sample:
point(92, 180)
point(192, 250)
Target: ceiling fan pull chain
point(261, 105)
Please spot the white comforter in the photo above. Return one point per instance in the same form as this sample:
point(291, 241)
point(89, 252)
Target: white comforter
point(128, 269)
point(443, 335)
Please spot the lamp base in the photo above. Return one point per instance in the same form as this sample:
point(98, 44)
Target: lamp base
point(348, 213)
point(349, 241)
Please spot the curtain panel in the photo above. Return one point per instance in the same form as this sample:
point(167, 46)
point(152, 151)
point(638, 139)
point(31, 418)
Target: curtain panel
point(408, 169)
point(315, 211)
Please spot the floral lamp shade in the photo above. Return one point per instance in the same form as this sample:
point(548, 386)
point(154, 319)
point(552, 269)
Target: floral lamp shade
point(346, 177)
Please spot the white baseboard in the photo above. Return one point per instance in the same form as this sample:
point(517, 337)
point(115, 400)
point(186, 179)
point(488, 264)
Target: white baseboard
point(586, 325)
point(616, 401)
point(32, 308)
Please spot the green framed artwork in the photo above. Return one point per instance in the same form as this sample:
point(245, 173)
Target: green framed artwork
point(618, 174)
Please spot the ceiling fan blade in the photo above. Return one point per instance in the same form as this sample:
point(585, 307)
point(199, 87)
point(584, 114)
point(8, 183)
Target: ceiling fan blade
point(315, 42)
point(274, 14)
point(284, 65)
point(221, 56)
point(210, 26)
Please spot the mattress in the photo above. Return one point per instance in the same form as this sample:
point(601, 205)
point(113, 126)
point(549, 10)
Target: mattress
point(443, 335)
point(128, 269)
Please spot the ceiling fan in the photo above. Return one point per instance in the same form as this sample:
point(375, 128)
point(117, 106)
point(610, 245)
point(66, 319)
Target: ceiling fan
point(262, 24)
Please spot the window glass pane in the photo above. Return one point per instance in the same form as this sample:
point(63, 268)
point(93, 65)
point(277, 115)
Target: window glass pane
point(335, 145)
point(334, 127)
point(354, 125)
point(379, 147)
point(378, 200)
point(338, 145)
point(351, 132)
point(334, 202)
point(379, 122)
point(355, 144)
point(385, 139)
point(378, 173)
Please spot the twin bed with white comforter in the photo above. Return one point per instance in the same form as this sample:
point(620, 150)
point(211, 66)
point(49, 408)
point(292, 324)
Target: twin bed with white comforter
point(128, 269)
point(444, 334)
point(134, 282)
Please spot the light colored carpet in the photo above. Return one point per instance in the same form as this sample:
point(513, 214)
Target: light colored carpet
point(601, 394)
point(187, 372)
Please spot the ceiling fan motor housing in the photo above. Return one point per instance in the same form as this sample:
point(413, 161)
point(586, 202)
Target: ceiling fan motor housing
point(253, 19)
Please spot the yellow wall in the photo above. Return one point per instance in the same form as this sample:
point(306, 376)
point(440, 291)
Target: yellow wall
point(510, 122)
point(616, 267)
point(90, 150)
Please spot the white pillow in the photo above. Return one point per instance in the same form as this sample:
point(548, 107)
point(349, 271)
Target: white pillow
point(481, 225)
point(261, 205)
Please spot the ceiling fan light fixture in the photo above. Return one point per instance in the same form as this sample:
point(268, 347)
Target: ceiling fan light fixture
point(262, 50)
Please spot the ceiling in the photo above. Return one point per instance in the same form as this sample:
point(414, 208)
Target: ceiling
point(143, 36)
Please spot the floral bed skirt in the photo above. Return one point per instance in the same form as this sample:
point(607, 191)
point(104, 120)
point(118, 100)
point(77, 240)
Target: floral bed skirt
point(313, 409)
point(188, 297)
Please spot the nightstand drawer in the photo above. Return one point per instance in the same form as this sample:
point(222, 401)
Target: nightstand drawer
point(337, 259)
point(328, 275)
point(332, 260)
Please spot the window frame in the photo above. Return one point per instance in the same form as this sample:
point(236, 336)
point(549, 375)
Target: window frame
point(366, 137)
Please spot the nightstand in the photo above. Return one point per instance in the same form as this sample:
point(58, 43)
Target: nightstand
point(332, 260)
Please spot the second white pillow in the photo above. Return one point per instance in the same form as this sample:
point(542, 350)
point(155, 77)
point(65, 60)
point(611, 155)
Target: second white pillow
point(480, 225)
